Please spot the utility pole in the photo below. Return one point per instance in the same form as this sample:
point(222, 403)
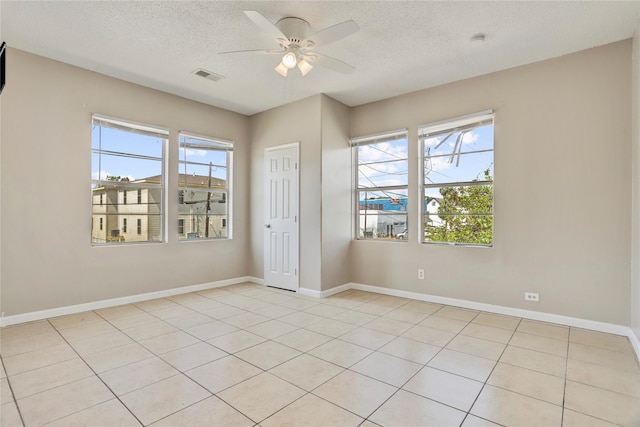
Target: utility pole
point(206, 225)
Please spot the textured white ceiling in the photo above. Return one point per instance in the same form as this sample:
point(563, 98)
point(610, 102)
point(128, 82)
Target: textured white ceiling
point(402, 46)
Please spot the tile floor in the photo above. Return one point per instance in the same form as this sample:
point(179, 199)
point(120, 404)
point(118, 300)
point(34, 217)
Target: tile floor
point(247, 355)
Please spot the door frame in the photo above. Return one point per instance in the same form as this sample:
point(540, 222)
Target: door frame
point(295, 145)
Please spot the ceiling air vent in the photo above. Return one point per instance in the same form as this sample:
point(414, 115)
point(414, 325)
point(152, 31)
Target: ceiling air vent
point(207, 74)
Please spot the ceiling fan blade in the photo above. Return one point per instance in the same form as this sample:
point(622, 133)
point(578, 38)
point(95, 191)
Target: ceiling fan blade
point(265, 25)
point(330, 63)
point(254, 52)
point(333, 33)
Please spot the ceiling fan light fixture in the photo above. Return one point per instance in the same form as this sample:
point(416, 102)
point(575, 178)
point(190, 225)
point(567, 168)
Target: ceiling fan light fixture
point(282, 69)
point(292, 34)
point(289, 60)
point(304, 67)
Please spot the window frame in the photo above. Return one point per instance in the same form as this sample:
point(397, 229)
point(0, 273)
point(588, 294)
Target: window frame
point(456, 124)
point(360, 141)
point(125, 125)
point(212, 144)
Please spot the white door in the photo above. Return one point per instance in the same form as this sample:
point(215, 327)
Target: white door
point(281, 217)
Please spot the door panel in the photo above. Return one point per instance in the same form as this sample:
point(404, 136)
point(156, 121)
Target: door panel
point(281, 217)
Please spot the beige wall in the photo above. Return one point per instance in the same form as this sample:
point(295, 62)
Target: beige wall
point(296, 122)
point(635, 251)
point(336, 193)
point(563, 180)
point(562, 185)
point(47, 260)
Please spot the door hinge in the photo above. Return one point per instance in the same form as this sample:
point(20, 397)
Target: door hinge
point(295, 271)
point(295, 218)
point(295, 166)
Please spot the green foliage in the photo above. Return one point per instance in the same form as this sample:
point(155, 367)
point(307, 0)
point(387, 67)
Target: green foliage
point(117, 178)
point(465, 213)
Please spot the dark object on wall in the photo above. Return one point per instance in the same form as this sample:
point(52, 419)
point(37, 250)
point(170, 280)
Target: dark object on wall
point(3, 68)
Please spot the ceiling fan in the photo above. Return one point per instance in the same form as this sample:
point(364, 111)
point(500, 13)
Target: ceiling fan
point(296, 44)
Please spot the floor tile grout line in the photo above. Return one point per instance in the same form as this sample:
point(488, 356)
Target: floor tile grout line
point(99, 378)
point(226, 388)
point(490, 373)
point(401, 387)
point(496, 363)
point(603, 389)
point(216, 394)
point(159, 357)
point(13, 395)
point(202, 341)
point(179, 410)
point(398, 390)
point(434, 356)
point(564, 385)
point(565, 377)
point(306, 392)
point(63, 385)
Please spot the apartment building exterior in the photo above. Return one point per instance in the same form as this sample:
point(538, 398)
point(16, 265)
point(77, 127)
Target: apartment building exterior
point(131, 211)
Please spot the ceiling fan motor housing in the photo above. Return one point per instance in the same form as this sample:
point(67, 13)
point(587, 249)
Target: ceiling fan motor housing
point(296, 29)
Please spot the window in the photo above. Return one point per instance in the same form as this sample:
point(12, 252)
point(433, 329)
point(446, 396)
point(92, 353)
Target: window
point(181, 226)
point(380, 164)
point(100, 223)
point(204, 178)
point(101, 199)
point(457, 180)
point(127, 157)
point(124, 225)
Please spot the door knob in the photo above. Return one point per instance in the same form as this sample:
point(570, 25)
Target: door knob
point(267, 226)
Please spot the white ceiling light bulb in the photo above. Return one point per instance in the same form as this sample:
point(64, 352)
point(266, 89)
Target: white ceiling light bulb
point(289, 60)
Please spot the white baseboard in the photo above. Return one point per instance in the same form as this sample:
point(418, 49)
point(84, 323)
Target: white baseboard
point(309, 292)
point(324, 294)
point(255, 280)
point(96, 305)
point(635, 342)
point(498, 309)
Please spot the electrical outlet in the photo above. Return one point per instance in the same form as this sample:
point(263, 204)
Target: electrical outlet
point(531, 296)
point(421, 274)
